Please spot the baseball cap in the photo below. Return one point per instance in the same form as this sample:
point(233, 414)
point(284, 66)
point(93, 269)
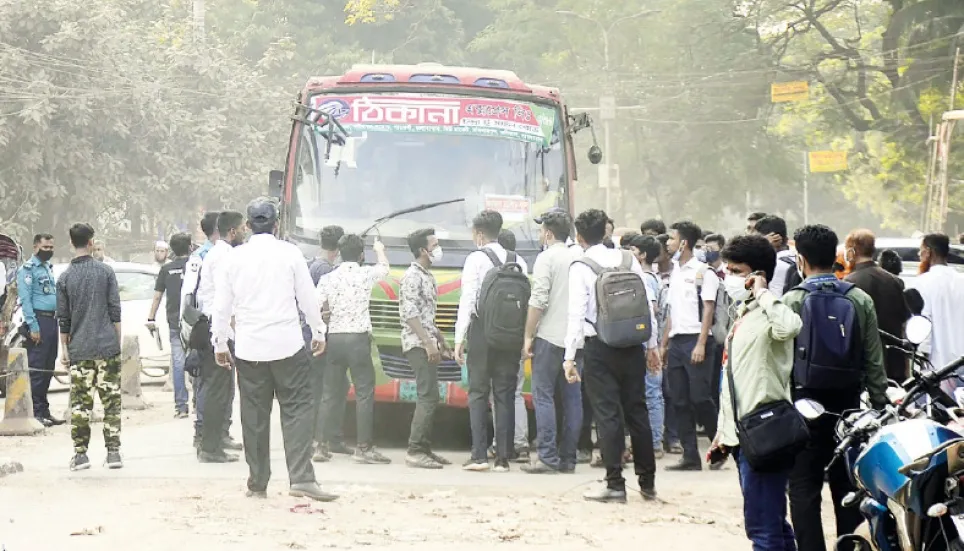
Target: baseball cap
point(263, 210)
point(553, 210)
point(161, 245)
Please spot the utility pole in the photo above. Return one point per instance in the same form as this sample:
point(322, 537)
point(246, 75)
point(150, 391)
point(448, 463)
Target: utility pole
point(199, 12)
point(806, 191)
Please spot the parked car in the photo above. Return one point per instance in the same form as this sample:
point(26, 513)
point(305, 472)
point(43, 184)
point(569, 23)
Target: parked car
point(909, 251)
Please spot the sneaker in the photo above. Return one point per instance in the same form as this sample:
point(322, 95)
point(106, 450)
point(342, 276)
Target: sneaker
point(521, 455)
point(439, 459)
point(114, 460)
point(421, 461)
point(538, 467)
point(205, 457)
point(47, 423)
point(584, 457)
point(229, 443)
point(566, 468)
point(476, 466)
point(54, 422)
point(181, 415)
point(80, 462)
point(605, 495)
point(256, 494)
point(501, 466)
point(369, 456)
point(685, 466)
point(322, 455)
point(659, 453)
point(340, 448)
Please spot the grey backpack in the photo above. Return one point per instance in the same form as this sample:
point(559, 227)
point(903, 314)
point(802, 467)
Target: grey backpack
point(622, 307)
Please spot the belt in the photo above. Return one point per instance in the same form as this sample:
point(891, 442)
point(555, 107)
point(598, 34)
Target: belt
point(45, 313)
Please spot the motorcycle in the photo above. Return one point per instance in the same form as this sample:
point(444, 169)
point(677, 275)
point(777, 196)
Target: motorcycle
point(906, 464)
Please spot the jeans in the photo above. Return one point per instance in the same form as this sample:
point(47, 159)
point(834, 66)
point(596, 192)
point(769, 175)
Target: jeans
point(177, 362)
point(670, 435)
point(521, 430)
point(765, 507)
point(549, 381)
point(319, 366)
point(495, 371)
point(350, 352)
point(691, 386)
point(426, 384)
point(654, 402)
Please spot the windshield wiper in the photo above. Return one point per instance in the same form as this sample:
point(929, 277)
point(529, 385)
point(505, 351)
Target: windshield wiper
point(397, 213)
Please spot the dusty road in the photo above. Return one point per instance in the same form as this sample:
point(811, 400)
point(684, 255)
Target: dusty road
point(164, 499)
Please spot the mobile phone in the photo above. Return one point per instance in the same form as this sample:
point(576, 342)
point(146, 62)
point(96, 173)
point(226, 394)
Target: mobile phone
point(717, 455)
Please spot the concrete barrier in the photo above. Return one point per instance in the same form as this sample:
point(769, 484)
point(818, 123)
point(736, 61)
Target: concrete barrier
point(18, 417)
point(131, 395)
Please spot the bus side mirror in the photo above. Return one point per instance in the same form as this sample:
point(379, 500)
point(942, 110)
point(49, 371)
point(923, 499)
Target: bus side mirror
point(276, 183)
point(595, 154)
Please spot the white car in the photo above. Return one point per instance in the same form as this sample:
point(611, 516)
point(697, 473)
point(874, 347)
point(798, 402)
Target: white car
point(909, 251)
point(136, 286)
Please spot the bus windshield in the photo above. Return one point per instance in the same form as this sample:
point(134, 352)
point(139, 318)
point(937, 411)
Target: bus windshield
point(407, 150)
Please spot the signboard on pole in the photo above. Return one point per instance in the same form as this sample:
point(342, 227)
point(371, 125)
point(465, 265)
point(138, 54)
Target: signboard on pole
point(607, 108)
point(782, 92)
point(827, 161)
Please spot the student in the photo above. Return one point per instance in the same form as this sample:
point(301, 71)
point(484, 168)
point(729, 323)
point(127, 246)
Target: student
point(653, 227)
point(785, 276)
point(521, 430)
point(647, 250)
point(752, 219)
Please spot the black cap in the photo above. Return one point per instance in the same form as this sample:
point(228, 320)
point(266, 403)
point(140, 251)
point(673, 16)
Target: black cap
point(553, 210)
point(263, 210)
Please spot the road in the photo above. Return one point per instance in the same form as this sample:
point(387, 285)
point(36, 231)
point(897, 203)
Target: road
point(164, 499)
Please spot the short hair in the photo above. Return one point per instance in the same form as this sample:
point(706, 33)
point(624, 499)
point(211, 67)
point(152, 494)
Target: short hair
point(228, 220)
point(489, 222)
point(209, 223)
point(181, 244)
point(626, 239)
point(653, 225)
point(37, 239)
point(81, 235)
point(753, 250)
point(663, 240)
point(329, 237)
point(817, 244)
point(938, 243)
point(688, 231)
point(862, 242)
point(771, 224)
point(418, 240)
point(647, 245)
point(591, 226)
point(716, 238)
point(507, 240)
point(891, 261)
point(611, 222)
point(351, 247)
point(559, 223)
point(754, 216)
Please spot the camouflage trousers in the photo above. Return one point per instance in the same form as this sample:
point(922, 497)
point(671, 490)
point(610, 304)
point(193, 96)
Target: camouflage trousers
point(102, 376)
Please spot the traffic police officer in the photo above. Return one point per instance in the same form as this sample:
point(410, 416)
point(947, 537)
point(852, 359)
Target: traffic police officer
point(38, 297)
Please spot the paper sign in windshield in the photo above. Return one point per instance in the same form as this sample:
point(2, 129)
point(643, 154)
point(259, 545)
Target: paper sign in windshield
point(435, 114)
point(513, 208)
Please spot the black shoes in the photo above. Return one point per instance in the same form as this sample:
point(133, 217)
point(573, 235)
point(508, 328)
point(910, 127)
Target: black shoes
point(685, 466)
point(220, 457)
point(50, 421)
point(229, 443)
point(114, 460)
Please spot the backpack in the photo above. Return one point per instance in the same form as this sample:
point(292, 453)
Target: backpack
point(829, 351)
point(504, 302)
point(723, 315)
point(793, 279)
point(622, 306)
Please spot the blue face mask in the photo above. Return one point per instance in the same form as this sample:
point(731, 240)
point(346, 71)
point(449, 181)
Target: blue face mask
point(676, 256)
point(700, 255)
point(712, 256)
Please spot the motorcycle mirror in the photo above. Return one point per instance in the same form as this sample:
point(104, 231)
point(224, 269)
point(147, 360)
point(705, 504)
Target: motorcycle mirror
point(810, 409)
point(595, 154)
point(918, 329)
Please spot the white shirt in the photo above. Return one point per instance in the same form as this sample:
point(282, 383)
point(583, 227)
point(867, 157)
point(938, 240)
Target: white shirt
point(684, 312)
point(348, 291)
point(780, 272)
point(942, 289)
point(582, 297)
point(264, 283)
point(477, 264)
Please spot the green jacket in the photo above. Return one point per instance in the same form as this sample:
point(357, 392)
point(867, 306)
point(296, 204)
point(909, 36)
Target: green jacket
point(874, 375)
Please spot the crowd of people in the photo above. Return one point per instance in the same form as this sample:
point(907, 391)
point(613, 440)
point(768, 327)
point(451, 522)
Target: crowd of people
point(652, 337)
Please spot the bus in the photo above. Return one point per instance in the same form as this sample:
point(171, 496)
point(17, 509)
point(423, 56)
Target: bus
point(384, 150)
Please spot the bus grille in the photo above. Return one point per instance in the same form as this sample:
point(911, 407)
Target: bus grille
point(384, 315)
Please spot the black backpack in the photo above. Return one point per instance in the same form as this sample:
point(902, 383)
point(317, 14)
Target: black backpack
point(829, 349)
point(622, 306)
point(793, 279)
point(504, 302)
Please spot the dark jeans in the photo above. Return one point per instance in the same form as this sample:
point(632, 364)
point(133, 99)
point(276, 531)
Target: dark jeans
point(585, 431)
point(42, 360)
point(691, 386)
point(319, 366)
point(616, 382)
point(289, 380)
point(495, 371)
point(717, 368)
point(349, 352)
point(214, 402)
point(426, 385)
point(765, 507)
point(548, 382)
point(670, 434)
point(806, 485)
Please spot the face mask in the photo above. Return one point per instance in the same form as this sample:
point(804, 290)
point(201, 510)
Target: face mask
point(712, 256)
point(700, 255)
point(436, 255)
point(45, 256)
point(736, 287)
point(676, 256)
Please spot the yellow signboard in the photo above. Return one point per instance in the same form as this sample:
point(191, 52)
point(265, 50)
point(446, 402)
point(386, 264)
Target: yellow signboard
point(828, 161)
point(781, 92)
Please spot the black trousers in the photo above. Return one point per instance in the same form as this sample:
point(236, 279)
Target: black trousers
point(218, 393)
point(615, 379)
point(585, 434)
point(42, 360)
point(349, 352)
point(691, 386)
point(319, 366)
point(495, 371)
point(426, 385)
point(289, 380)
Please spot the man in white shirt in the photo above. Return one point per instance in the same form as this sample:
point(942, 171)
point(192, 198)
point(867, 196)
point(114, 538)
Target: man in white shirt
point(347, 290)
point(262, 285)
point(615, 378)
point(690, 358)
point(785, 276)
point(490, 369)
point(219, 386)
point(942, 288)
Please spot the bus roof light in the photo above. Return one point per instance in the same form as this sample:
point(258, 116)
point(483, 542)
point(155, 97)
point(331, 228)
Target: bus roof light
point(378, 77)
point(492, 83)
point(434, 79)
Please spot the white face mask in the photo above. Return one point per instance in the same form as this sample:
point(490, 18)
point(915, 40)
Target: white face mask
point(436, 255)
point(736, 287)
point(700, 255)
